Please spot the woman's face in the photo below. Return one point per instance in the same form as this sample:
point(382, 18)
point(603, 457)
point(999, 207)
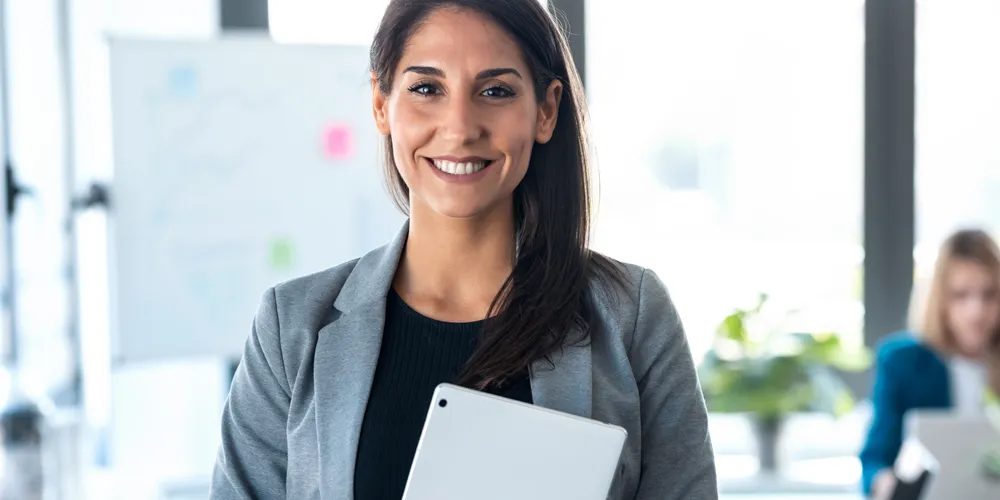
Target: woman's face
point(972, 304)
point(463, 116)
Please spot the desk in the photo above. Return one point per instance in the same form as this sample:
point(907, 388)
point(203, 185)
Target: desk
point(821, 477)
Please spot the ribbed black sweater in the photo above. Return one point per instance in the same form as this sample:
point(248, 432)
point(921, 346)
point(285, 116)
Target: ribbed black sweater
point(417, 354)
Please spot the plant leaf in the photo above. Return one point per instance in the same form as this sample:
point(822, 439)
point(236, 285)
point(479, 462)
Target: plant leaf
point(733, 327)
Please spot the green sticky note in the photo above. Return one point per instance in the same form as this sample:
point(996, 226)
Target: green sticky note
point(282, 254)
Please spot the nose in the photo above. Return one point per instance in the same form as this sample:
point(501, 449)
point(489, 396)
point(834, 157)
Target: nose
point(461, 122)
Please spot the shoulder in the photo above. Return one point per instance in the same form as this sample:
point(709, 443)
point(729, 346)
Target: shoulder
point(614, 285)
point(292, 313)
point(632, 301)
point(328, 282)
point(309, 301)
point(902, 349)
point(296, 309)
point(625, 286)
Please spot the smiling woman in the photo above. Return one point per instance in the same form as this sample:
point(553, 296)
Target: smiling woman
point(491, 283)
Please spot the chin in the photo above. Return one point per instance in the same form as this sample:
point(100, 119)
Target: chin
point(462, 206)
point(973, 347)
point(461, 213)
point(458, 204)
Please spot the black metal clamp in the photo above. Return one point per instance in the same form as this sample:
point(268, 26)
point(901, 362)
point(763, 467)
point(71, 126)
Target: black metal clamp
point(12, 188)
point(97, 195)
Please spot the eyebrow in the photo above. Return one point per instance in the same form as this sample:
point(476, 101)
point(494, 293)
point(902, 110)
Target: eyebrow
point(489, 73)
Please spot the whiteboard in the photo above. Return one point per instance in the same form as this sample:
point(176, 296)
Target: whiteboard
point(238, 163)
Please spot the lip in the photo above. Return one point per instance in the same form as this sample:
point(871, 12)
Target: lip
point(461, 159)
point(460, 179)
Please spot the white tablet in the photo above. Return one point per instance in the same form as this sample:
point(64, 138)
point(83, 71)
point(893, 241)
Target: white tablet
point(484, 447)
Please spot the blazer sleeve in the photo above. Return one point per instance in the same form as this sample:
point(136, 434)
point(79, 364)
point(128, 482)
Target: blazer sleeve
point(252, 459)
point(885, 434)
point(677, 457)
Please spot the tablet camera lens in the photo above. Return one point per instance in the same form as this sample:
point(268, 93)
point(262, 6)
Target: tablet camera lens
point(443, 403)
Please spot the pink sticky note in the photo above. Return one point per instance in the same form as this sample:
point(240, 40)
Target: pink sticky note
point(338, 142)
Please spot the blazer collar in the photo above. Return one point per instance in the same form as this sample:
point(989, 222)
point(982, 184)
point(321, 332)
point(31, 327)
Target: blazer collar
point(346, 357)
point(372, 276)
point(564, 384)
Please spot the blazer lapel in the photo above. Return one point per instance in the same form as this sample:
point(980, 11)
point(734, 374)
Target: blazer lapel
point(347, 351)
point(346, 356)
point(566, 384)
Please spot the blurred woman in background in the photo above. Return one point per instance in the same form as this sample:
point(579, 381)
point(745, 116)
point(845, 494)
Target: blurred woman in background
point(951, 359)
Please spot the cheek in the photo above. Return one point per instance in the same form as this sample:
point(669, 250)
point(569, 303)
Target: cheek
point(409, 128)
point(515, 134)
point(956, 314)
point(994, 312)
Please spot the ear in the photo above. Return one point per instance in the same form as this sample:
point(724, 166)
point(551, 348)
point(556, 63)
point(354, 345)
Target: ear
point(380, 103)
point(548, 111)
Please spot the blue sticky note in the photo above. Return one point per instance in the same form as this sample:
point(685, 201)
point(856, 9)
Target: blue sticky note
point(183, 82)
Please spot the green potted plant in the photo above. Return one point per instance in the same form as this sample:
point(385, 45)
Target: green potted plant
point(769, 374)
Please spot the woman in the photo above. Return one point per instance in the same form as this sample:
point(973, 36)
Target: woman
point(490, 284)
point(951, 365)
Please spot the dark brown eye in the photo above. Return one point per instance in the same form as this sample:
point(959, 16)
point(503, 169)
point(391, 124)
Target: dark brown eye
point(498, 92)
point(424, 89)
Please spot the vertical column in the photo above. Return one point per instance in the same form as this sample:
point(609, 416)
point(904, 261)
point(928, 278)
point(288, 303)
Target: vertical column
point(890, 27)
point(243, 14)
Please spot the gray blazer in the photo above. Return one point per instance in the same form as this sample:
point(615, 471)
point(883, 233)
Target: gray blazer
point(291, 423)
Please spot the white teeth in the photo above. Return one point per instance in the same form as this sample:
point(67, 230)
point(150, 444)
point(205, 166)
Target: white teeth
point(464, 168)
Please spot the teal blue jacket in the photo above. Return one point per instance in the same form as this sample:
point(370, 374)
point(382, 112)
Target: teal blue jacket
point(908, 375)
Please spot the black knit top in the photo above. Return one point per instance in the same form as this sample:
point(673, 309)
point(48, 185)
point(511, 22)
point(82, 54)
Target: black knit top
point(417, 354)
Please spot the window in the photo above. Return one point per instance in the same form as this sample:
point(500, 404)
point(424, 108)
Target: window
point(325, 21)
point(729, 137)
point(957, 122)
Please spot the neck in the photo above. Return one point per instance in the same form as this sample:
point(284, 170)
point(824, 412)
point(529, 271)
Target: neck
point(972, 357)
point(456, 265)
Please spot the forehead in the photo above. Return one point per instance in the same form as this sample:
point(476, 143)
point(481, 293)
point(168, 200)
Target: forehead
point(967, 273)
point(454, 39)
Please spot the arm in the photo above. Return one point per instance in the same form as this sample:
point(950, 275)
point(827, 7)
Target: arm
point(252, 460)
point(677, 458)
point(885, 436)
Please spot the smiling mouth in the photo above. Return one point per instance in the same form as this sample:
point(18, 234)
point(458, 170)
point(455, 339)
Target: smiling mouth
point(460, 168)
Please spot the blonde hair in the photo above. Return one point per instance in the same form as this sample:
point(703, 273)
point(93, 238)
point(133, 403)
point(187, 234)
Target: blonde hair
point(969, 245)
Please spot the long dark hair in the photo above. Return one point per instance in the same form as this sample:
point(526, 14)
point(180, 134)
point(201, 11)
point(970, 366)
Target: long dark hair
point(547, 297)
